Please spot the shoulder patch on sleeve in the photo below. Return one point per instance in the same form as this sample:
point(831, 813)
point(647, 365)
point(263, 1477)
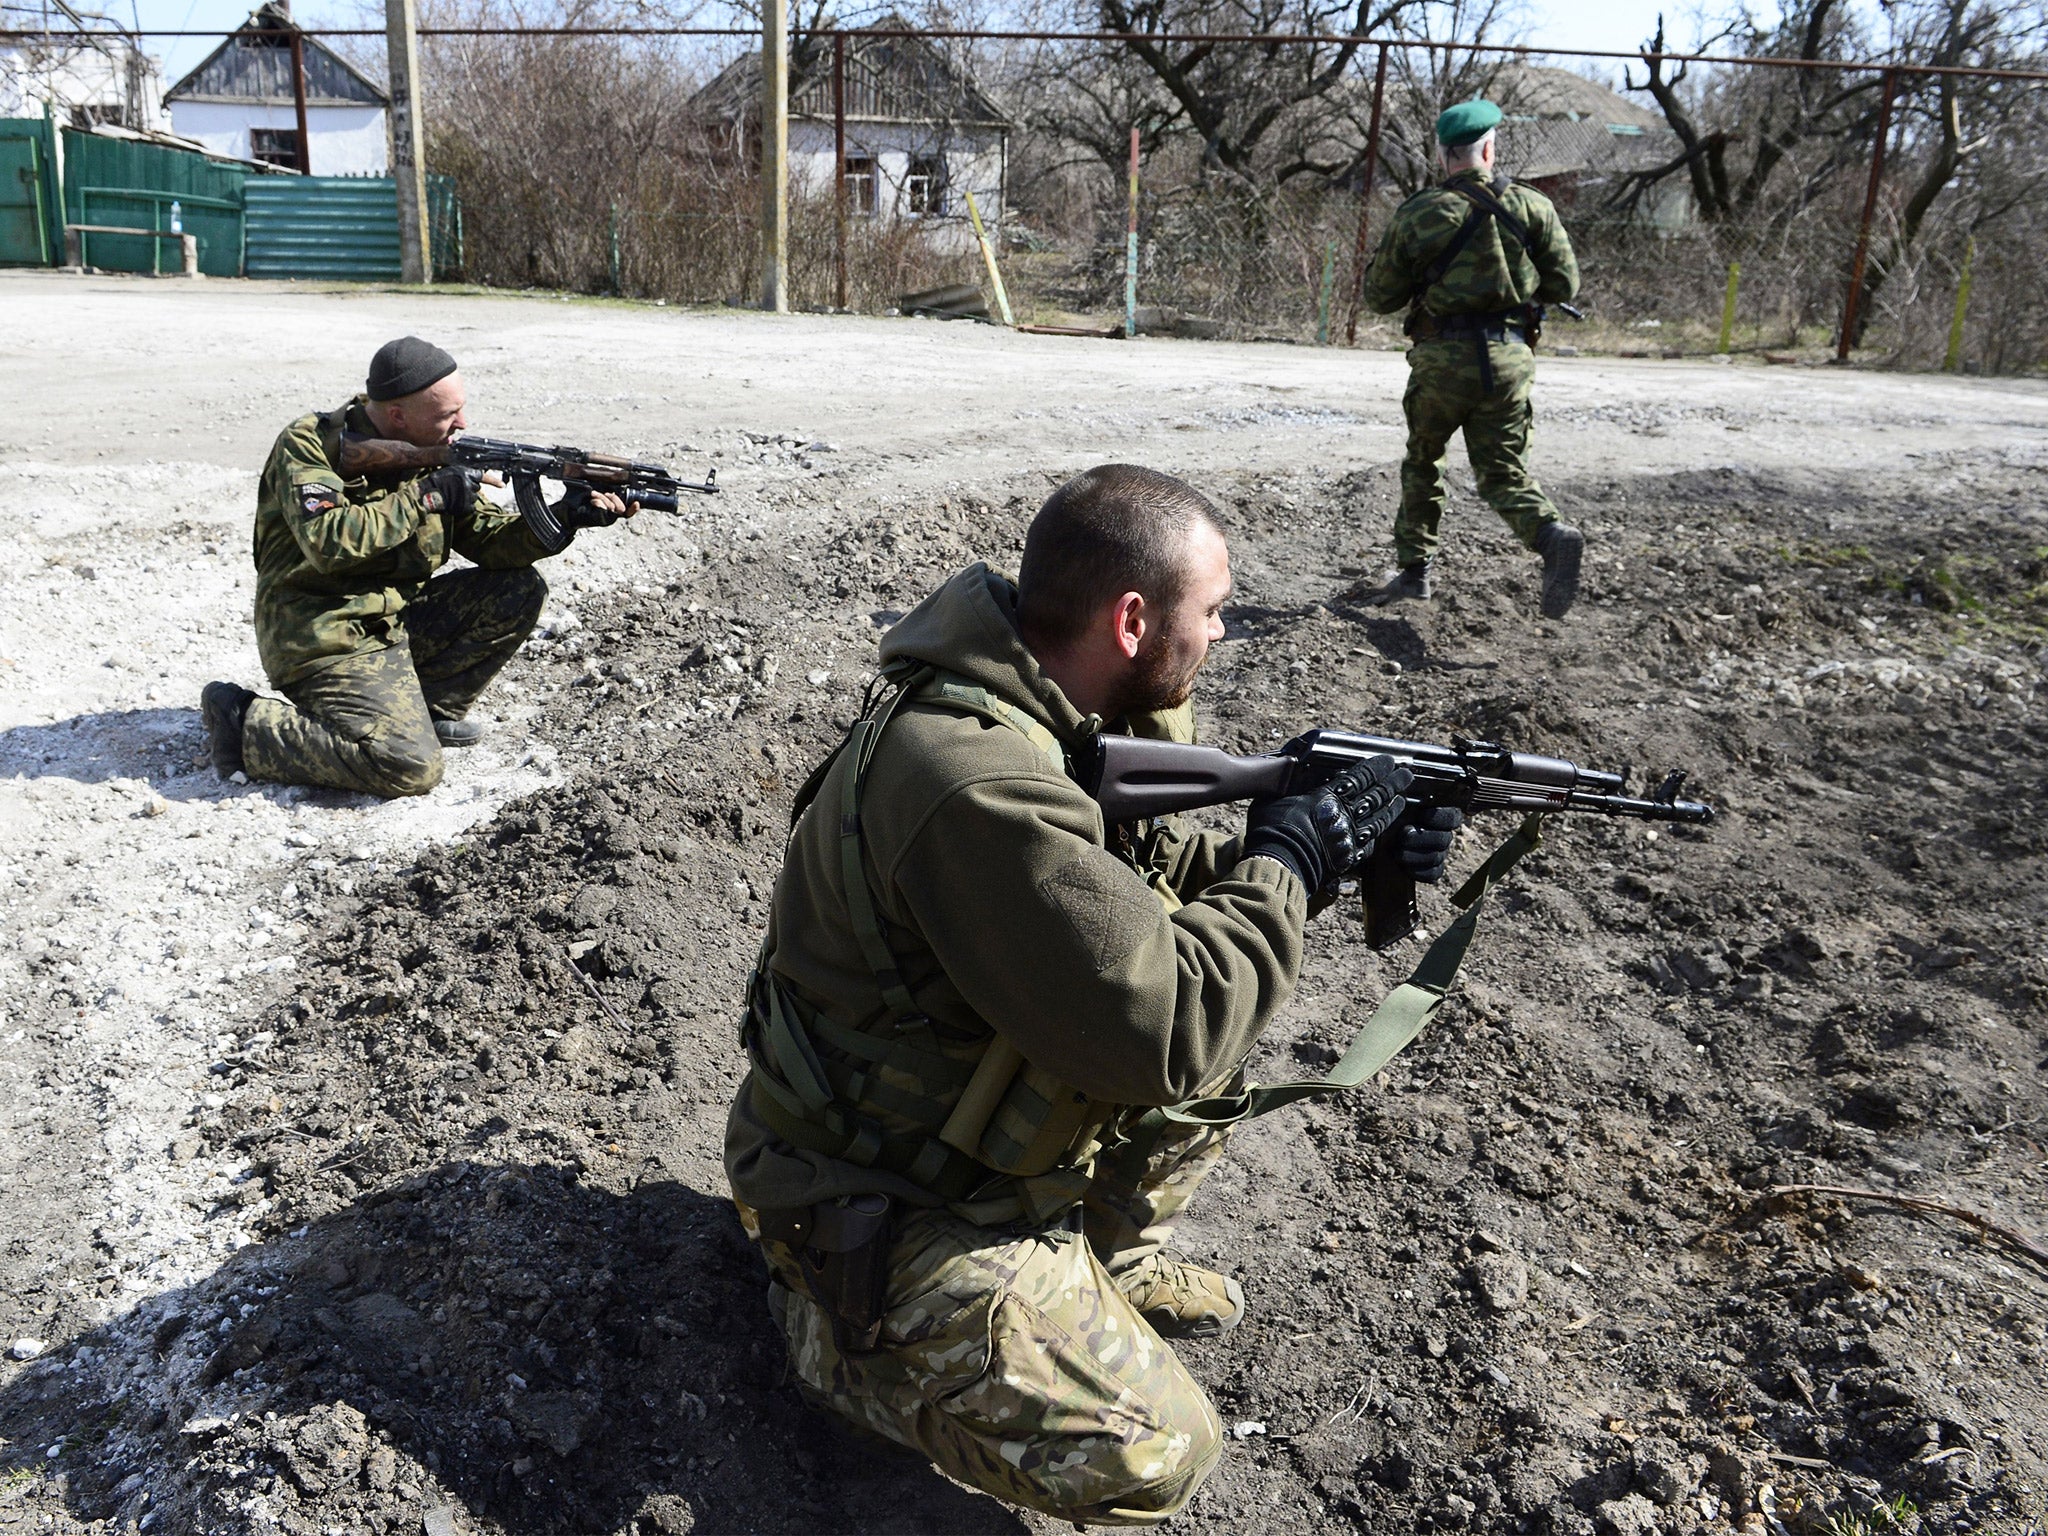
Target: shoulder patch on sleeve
point(1108, 908)
point(315, 498)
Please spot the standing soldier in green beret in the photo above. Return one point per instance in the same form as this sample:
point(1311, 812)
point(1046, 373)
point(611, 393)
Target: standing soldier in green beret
point(1474, 260)
point(378, 658)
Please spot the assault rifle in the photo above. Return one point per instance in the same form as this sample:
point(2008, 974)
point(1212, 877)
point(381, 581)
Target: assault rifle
point(650, 485)
point(1133, 777)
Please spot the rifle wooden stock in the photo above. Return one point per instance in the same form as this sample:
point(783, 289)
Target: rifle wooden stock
point(386, 458)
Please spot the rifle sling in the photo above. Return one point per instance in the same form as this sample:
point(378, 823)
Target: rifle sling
point(1404, 1014)
point(1484, 206)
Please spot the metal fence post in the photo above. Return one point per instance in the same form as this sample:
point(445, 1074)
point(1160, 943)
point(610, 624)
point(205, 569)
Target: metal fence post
point(1131, 247)
point(1954, 358)
point(1325, 293)
point(1853, 299)
point(839, 170)
point(1372, 160)
point(1728, 307)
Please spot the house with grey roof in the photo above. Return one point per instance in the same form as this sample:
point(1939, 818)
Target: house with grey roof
point(1577, 142)
point(239, 102)
point(920, 133)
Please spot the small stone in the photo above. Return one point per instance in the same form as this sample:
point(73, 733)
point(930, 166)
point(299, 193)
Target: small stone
point(575, 1045)
point(25, 1349)
point(1502, 1281)
point(1662, 1471)
point(1629, 1515)
point(380, 1469)
point(1244, 1429)
point(155, 805)
point(818, 677)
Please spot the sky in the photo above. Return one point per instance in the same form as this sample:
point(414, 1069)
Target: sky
point(1615, 24)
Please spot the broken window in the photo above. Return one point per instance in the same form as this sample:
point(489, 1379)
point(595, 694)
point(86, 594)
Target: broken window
point(275, 146)
point(860, 184)
point(924, 185)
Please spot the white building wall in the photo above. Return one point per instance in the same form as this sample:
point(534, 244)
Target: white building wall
point(345, 141)
point(82, 77)
point(973, 160)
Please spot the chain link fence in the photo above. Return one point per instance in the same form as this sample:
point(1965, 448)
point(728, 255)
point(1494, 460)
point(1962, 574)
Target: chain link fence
point(614, 166)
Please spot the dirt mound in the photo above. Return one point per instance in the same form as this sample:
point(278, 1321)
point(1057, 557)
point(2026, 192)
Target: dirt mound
point(1532, 1280)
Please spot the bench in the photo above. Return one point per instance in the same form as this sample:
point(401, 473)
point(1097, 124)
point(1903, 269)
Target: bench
point(74, 246)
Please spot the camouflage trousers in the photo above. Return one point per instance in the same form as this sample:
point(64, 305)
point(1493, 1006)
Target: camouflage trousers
point(1445, 394)
point(1011, 1359)
point(365, 721)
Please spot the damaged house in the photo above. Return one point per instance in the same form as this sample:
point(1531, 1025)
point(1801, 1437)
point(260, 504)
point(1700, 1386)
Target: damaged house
point(919, 132)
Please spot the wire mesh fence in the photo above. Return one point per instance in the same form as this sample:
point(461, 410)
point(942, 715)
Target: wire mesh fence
point(1715, 204)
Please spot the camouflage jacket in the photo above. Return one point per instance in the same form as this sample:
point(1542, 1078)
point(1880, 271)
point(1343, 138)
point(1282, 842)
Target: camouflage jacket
point(1491, 274)
point(338, 560)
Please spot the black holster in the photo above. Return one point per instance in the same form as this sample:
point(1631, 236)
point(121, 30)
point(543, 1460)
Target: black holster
point(843, 1248)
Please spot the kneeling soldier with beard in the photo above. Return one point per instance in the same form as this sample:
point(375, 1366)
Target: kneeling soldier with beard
point(378, 658)
point(971, 992)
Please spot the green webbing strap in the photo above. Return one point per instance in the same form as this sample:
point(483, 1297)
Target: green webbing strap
point(1404, 1014)
point(958, 693)
point(860, 901)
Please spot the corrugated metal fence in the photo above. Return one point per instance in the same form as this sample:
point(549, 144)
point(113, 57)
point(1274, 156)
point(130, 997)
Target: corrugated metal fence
point(340, 227)
point(247, 224)
point(119, 181)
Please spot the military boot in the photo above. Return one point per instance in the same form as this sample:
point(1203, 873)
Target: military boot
point(222, 708)
point(1410, 583)
point(1561, 547)
point(458, 733)
point(1180, 1300)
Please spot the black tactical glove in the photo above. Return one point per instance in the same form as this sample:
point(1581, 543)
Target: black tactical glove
point(579, 509)
point(1421, 841)
point(1324, 834)
point(451, 491)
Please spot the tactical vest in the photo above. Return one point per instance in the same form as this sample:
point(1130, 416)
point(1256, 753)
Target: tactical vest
point(969, 1120)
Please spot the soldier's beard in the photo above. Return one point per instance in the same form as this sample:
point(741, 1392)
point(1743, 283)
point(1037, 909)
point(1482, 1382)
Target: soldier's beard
point(1162, 680)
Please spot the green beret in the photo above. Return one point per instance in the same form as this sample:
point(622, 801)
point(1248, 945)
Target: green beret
point(1466, 123)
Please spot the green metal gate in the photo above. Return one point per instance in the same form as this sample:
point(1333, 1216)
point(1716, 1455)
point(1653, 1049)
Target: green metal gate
point(340, 227)
point(118, 181)
point(28, 193)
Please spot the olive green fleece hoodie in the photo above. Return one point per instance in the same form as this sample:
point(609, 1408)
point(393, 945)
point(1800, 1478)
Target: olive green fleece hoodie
point(1006, 912)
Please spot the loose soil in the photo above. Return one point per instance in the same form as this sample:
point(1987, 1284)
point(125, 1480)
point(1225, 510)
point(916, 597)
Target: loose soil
point(363, 1160)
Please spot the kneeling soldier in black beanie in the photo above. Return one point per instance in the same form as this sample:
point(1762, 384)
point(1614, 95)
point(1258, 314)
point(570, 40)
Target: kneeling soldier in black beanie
point(378, 658)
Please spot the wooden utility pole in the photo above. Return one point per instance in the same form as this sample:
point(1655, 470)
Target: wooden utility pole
point(839, 170)
point(774, 156)
point(305, 154)
point(408, 168)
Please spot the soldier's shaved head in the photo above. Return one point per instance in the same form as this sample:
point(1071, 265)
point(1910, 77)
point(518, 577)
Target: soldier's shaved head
point(1112, 529)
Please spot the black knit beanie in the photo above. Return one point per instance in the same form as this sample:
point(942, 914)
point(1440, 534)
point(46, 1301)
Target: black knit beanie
point(405, 367)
